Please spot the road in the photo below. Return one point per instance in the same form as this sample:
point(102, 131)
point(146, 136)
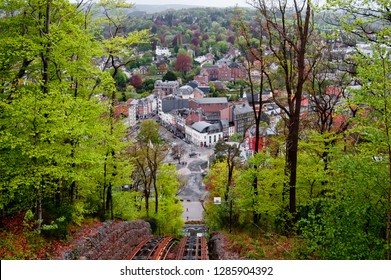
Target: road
point(192, 169)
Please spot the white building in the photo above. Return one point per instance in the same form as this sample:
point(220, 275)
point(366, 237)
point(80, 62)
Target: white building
point(167, 119)
point(166, 88)
point(203, 133)
point(160, 51)
point(132, 105)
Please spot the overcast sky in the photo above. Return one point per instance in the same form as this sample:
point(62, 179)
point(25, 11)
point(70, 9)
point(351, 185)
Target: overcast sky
point(209, 3)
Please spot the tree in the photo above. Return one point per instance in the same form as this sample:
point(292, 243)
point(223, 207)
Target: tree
point(289, 42)
point(121, 80)
point(183, 64)
point(57, 148)
point(268, 203)
point(195, 41)
point(152, 70)
point(230, 154)
point(367, 20)
point(136, 81)
point(170, 208)
point(170, 76)
point(325, 97)
point(374, 73)
point(231, 39)
point(257, 104)
point(216, 180)
point(118, 49)
point(146, 59)
point(148, 85)
point(178, 151)
point(370, 21)
point(350, 219)
point(148, 154)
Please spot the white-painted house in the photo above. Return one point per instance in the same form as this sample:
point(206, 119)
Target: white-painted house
point(132, 106)
point(160, 51)
point(203, 133)
point(167, 119)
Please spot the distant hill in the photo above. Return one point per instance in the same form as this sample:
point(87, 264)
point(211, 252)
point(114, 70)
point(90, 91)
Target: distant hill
point(151, 9)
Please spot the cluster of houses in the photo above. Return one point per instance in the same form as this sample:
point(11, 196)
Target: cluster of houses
point(186, 111)
point(190, 115)
point(225, 69)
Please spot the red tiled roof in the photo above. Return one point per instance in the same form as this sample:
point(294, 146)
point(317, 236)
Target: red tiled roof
point(121, 110)
point(333, 91)
point(304, 101)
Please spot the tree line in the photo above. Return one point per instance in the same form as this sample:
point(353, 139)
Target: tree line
point(325, 177)
point(63, 155)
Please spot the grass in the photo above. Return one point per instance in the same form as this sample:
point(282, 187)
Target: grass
point(268, 246)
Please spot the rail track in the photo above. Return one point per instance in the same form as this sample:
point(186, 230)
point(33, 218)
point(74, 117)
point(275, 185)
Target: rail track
point(158, 248)
point(153, 248)
point(193, 248)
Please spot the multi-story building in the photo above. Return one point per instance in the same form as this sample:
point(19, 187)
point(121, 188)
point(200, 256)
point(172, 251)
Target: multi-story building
point(243, 117)
point(203, 133)
point(210, 71)
point(202, 79)
point(147, 106)
point(224, 73)
point(237, 72)
point(169, 104)
point(166, 88)
point(221, 72)
point(185, 92)
point(211, 106)
point(132, 106)
point(239, 116)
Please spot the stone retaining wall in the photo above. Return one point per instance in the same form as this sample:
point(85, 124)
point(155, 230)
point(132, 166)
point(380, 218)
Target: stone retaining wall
point(111, 241)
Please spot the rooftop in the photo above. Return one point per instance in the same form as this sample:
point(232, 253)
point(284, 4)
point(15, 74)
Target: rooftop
point(211, 100)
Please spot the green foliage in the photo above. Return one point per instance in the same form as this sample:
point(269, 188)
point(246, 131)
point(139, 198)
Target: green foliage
point(121, 80)
point(55, 135)
point(217, 215)
point(170, 76)
point(169, 216)
point(268, 201)
point(348, 224)
point(127, 205)
point(149, 132)
point(148, 85)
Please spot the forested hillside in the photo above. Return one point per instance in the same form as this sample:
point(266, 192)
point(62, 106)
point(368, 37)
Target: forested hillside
point(64, 156)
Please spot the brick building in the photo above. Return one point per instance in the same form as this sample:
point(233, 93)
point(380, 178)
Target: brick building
point(210, 106)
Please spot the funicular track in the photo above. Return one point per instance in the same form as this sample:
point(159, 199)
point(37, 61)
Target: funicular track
point(193, 248)
point(153, 248)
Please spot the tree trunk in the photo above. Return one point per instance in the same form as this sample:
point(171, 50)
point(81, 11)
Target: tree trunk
point(45, 32)
point(104, 187)
point(388, 224)
point(109, 201)
point(39, 207)
point(156, 195)
point(292, 142)
point(146, 196)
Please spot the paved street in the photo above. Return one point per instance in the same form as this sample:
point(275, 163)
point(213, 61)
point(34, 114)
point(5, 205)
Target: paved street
point(192, 169)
